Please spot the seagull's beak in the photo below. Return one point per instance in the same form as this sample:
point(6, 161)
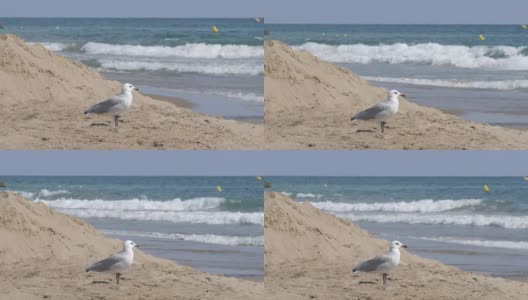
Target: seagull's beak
point(403, 95)
point(137, 246)
point(404, 246)
point(136, 89)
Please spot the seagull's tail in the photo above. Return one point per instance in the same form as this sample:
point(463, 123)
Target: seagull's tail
point(86, 112)
point(88, 269)
point(355, 270)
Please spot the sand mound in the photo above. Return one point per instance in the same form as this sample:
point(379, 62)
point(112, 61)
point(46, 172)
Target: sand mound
point(34, 231)
point(299, 231)
point(309, 253)
point(43, 96)
point(45, 252)
point(309, 102)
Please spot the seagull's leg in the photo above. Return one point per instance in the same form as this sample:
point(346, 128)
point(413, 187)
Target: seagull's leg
point(382, 126)
point(384, 278)
point(116, 120)
point(117, 277)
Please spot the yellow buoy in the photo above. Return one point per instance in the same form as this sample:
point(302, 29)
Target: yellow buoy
point(524, 26)
point(257, 19)
point(486, 188)
point(259, 178)
point(482, 38)
point(214, 29)
point(219, 188)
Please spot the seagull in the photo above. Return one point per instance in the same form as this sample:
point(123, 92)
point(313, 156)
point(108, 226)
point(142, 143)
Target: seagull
point(116, 263)
point(383, 263)
point(115, 105)
point(381, 111)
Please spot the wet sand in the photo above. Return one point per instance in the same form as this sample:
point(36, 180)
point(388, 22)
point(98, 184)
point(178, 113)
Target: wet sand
point(44, 95)
point(48, 252)
point(309, 103)
point(310, 254)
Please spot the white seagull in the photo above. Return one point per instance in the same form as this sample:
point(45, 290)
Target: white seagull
point(381, 111)
point(116, 263)
point(115, 105)
point(383, 263)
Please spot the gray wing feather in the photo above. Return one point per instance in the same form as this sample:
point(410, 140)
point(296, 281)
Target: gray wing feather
point(105, 106)
point(105, 264)
point(371, 264)
point(369, 113)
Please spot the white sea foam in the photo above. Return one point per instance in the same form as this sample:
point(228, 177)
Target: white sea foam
point(481, 243)
point(252, 97)
point(204, 67)
point(496, 57)
point(55, 47)
point(426, 205)
point(510, 222)
point(189, 50)
point(307, 195)
point(197, 217)
point(48, 193)
point(287, 194)
point(495, 85)
point(201, 238)
point(203, 203)
point(27, 195)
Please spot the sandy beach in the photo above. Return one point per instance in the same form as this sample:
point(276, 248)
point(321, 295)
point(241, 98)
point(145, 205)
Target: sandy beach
point(310, 254)
point(44, 95)
point(309, 102)
point(176, 101)
point(48, 252)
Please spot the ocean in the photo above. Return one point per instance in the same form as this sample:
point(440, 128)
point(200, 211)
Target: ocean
point(184, 219)
point(444, 66)
point(219, 73)
point(450, 219)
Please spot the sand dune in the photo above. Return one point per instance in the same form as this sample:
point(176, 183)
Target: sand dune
point(310, 254)
point(43, 95)
point(44, 253)
point(309, 102)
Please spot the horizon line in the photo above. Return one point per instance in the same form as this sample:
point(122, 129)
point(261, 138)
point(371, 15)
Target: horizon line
point(252, 18)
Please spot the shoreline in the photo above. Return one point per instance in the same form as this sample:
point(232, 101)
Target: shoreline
point(311, 253)
point(70, 244)
point(309, 103)
point(49, 115)
point(179, 102)
point(444, 99)
point(184, 103)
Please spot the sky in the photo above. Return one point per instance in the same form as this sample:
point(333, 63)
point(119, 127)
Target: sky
point(265, 163)
point(290, 11)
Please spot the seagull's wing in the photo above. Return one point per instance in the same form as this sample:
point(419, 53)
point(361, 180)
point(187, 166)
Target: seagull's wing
point(370, 113)
point(107, 264)
point(105, 106)
point(372, 264)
